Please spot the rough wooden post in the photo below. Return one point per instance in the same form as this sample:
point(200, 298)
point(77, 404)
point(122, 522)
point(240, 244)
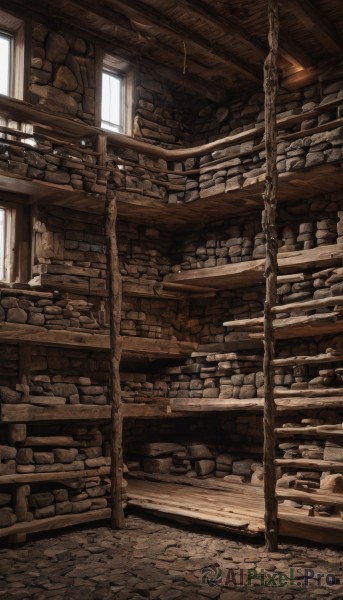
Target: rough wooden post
point(115, 301)
point(269, 228)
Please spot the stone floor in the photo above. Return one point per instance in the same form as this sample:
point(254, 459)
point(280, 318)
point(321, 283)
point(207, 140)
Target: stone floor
point(160, 560)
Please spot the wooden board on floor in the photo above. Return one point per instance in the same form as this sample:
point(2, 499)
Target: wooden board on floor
point(233, 506)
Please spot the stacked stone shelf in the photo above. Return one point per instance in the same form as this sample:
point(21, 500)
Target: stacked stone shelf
point(219, 204)
point(318, 430)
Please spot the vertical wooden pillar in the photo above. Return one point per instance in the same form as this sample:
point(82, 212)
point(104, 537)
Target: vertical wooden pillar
point(115, 302)
point(269, 228)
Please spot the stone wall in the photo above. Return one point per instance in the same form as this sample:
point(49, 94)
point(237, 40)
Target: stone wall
point(212, 121)
point(62, 73)
point(162, 113)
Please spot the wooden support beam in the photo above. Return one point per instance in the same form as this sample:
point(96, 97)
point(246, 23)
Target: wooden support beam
point(115, 303)
point(270, 273)
point(316, 22)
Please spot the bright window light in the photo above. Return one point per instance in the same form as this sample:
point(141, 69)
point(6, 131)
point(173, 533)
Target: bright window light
point(112, 102)
point(5, 54)
point(2, 243)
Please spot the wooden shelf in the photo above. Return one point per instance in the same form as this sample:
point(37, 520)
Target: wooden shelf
point(22, 413)
point(148, 348)
point(253, 404)
point(20, 478)
point(52, 523)
point(250, 273)
point(317, 431)
point(310, 497)
point(217, 204)
point(50, 193)
point(307, 463)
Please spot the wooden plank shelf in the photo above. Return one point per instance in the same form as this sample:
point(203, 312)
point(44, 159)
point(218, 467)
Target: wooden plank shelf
point(310, 497)
point(252, 404)
point(304, 360)
point(294, 327)
point(217, 203)
point(22, 413)
point(250, 273)
point(58, 522)
point(317, 431)
point(20, 478)
point(307, 463)
point(132, 345)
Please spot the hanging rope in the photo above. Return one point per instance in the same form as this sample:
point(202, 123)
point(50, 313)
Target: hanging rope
point(184, 58)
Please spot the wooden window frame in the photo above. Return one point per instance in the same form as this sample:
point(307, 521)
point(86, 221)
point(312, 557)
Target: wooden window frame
point(111, 64)
point(17, 244)
point(16, 30)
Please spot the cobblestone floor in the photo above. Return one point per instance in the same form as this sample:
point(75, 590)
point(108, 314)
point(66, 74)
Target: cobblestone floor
point(163, 561)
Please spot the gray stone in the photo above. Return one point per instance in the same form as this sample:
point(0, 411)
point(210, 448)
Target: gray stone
point(8, 396)
point(65, 455)
point(7, 517)
point(65, 80)
point(41, 500)
point(5, 499)
point(8, 452)
point(16, 315)
point(56, 47)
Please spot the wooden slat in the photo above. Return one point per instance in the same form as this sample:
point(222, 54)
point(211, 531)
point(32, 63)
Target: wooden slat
point(56, 522)
point(19, 478)
point(21, 413)
point(252, 404)
point(147, 347)
point(319, 430)
point(307, 463)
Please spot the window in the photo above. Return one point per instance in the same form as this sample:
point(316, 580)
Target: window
point(112, 102)
point(12, 55)
point(2, 244)
point(116, 92)
point(15, 236)
point(5, 63)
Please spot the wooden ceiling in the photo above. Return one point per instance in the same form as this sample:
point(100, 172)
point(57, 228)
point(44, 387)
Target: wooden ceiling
point(216, 45)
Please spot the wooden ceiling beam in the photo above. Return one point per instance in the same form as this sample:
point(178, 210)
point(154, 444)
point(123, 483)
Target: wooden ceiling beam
point(138, 11)
point(315, 21)
point(290, 51)
point(194, 83)
point(124, 24)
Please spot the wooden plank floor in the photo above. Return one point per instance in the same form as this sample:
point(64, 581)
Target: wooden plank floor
point(233, 507)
